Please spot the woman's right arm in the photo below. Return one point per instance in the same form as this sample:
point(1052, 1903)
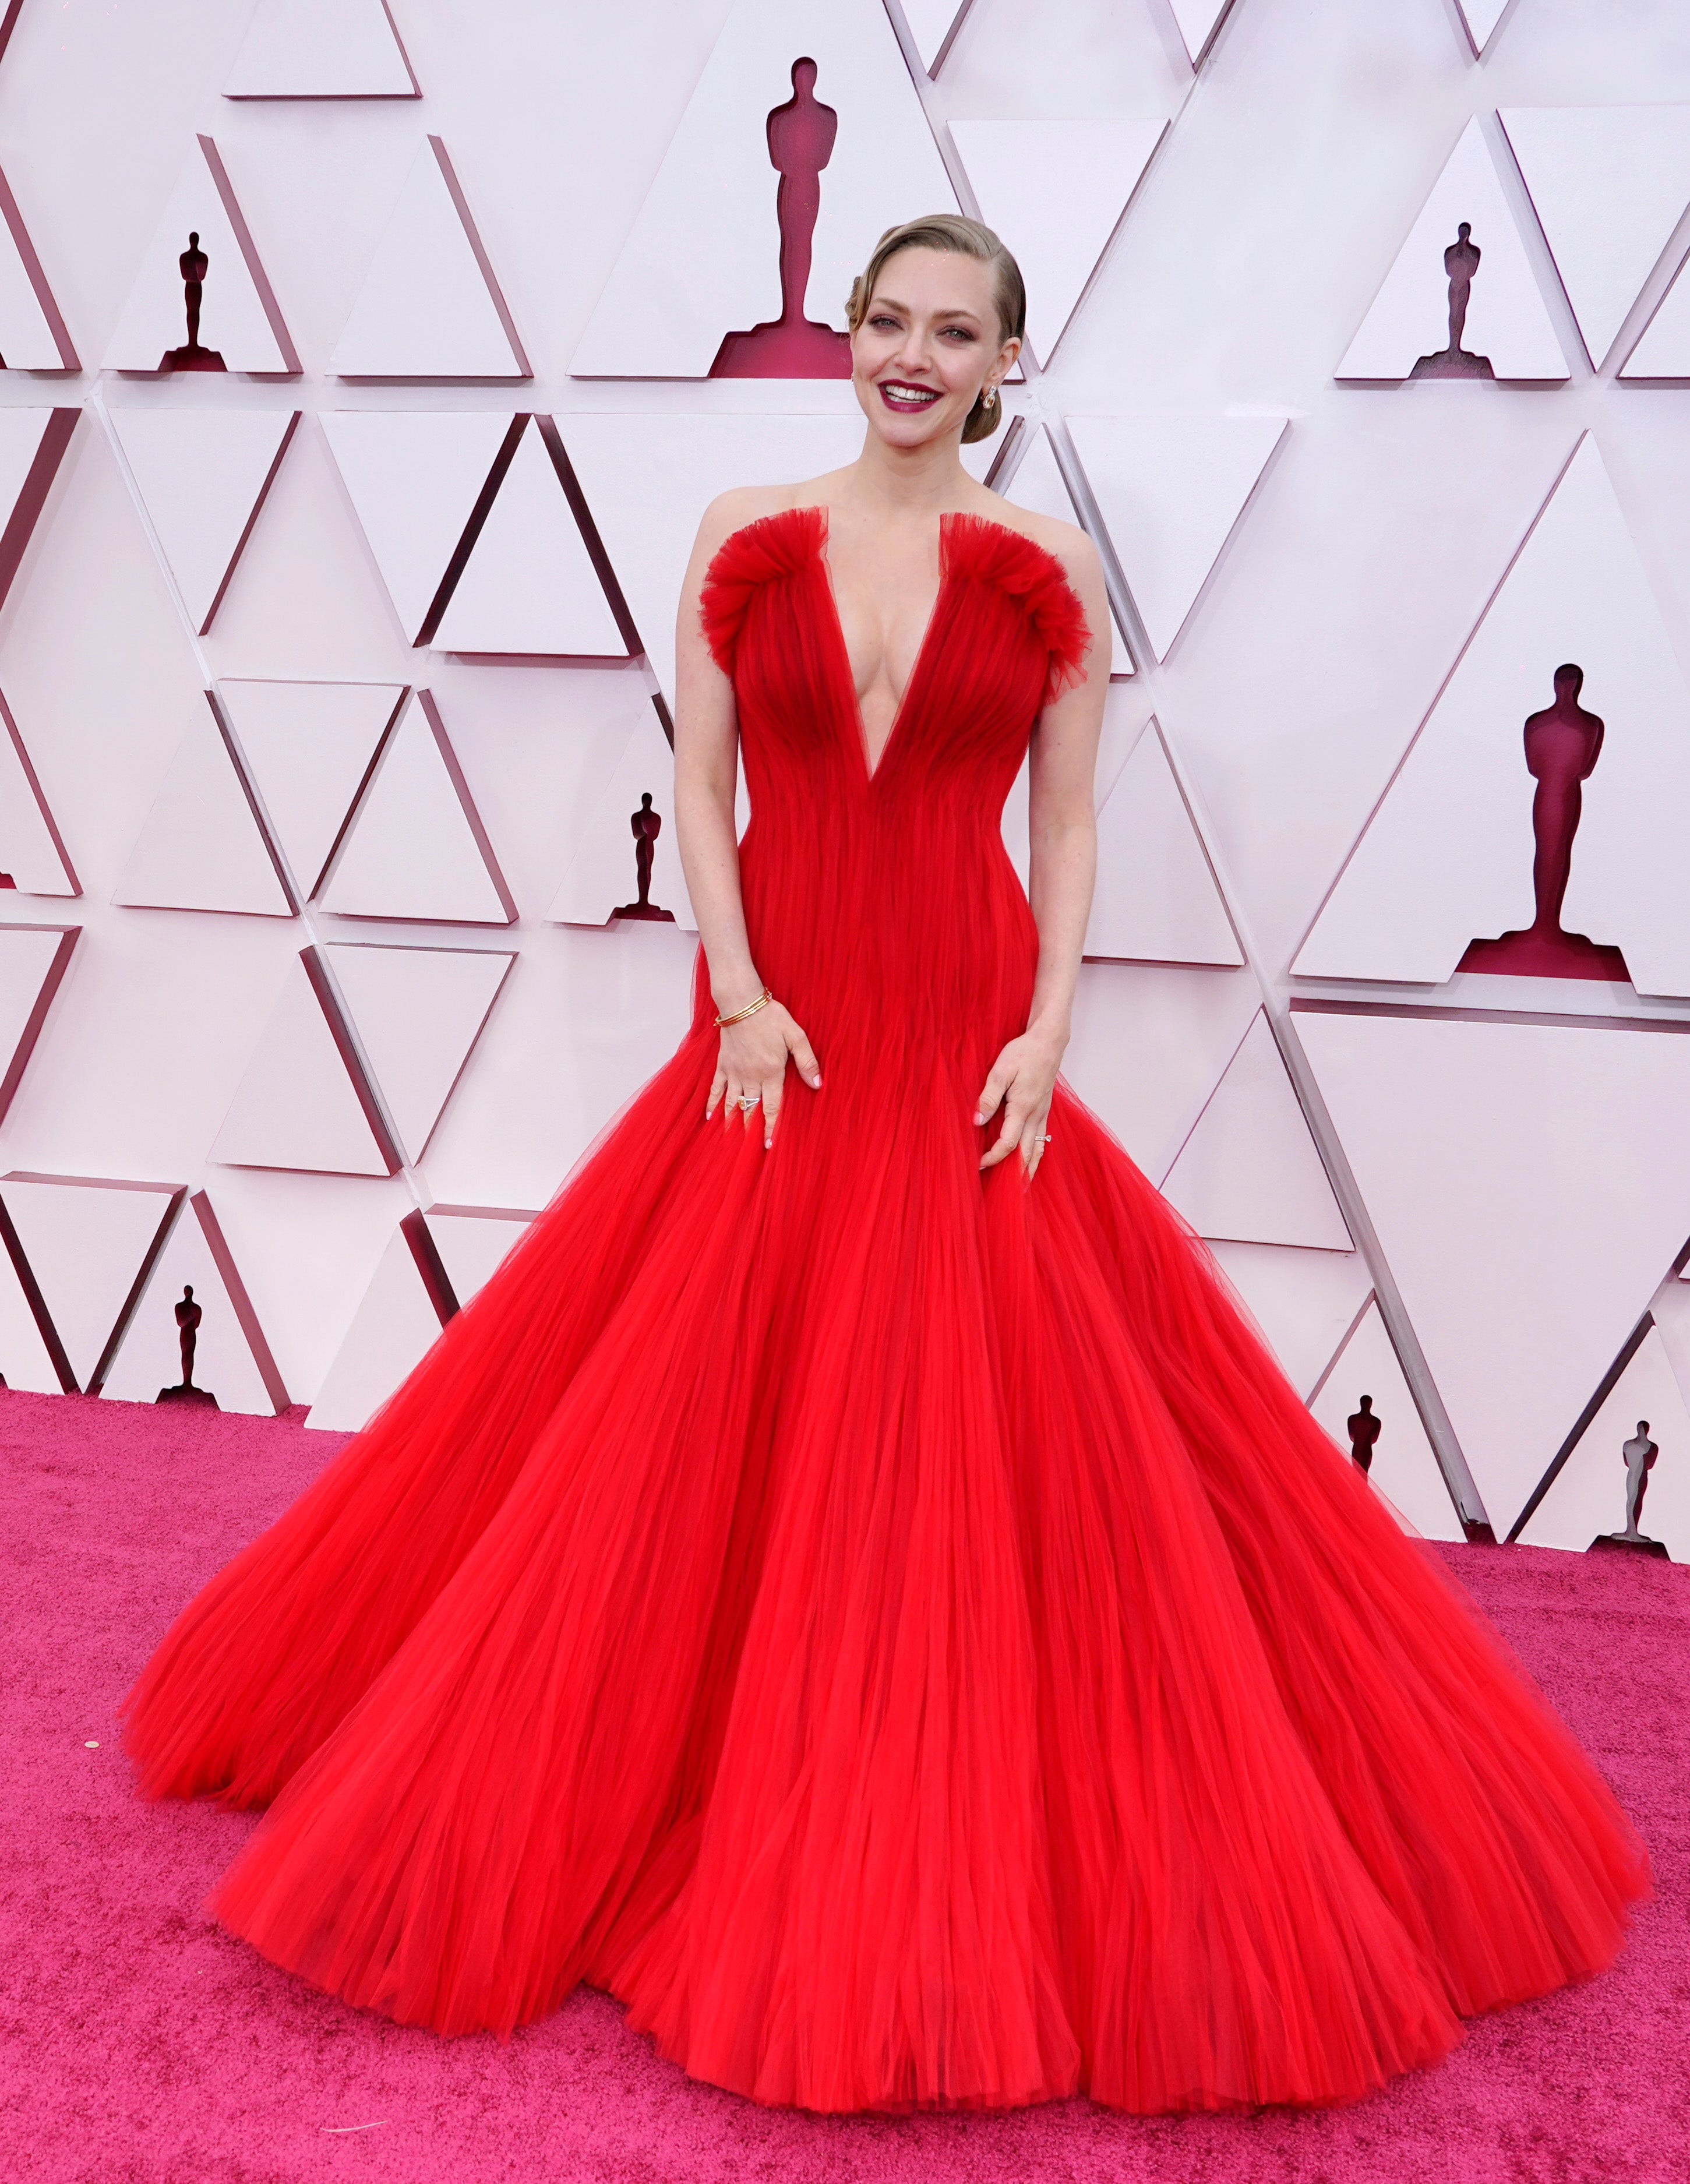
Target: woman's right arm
point(752, 1059)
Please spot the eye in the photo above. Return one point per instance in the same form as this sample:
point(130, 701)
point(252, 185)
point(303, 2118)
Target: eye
point(962, 333)
point(881, 319)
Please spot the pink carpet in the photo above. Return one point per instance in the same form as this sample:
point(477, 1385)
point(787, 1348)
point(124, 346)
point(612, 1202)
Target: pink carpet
point(139, 2042)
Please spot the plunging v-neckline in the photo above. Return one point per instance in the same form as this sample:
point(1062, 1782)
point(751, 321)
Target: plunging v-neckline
point(871, 773)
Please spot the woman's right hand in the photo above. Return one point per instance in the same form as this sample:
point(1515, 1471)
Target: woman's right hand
point(752, 1063)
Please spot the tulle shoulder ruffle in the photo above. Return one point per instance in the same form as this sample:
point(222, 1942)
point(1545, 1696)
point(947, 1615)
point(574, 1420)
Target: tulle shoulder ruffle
point(760, 552)
point(793, 539)
point(1033, 577)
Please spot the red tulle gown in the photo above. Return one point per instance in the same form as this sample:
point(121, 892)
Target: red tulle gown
point(893, 1625)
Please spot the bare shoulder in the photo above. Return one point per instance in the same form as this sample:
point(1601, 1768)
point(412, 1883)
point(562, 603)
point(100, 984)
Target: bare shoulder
point(741, 504)
point(732, 510)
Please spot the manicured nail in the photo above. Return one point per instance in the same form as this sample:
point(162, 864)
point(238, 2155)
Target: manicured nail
point(979, 1118)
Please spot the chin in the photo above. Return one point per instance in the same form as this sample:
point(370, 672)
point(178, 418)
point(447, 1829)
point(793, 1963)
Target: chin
point(906, 431)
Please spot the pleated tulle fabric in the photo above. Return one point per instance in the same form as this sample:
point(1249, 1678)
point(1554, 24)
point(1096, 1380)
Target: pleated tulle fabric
point(894, 1627)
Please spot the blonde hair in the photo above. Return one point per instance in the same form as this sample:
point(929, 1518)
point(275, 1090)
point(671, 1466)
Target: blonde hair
point(966, 238)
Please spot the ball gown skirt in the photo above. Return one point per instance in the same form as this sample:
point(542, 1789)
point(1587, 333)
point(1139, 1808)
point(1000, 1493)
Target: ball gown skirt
point(892, 1625)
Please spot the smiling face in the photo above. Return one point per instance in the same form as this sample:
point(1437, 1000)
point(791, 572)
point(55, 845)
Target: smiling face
point(928, 341)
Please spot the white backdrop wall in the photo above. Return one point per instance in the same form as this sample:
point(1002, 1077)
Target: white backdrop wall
point(1466, 1193)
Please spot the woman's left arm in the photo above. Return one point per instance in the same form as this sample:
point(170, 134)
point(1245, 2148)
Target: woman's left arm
point(1063, 834)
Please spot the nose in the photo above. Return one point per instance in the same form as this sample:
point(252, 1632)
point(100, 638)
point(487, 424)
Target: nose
point(911, 352)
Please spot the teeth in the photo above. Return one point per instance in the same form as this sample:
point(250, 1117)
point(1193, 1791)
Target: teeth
point(908, 397)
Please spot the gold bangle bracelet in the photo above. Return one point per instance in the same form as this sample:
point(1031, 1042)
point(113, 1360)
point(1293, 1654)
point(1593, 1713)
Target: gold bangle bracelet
point(749, 1009)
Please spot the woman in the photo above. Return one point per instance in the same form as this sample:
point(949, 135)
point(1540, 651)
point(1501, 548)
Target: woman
point(870, 1602)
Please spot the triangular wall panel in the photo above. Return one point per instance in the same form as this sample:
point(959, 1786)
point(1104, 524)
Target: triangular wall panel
point(416, 848)
point(1586, 1497)
point(394, 1326)
point(1479, 18)
point(203, 474)
point(1663, 348)
point(1529, 1186)
point(647, 479)
point(529, 585)
point(1506, 324)
point(1304, 1302)
point(1249, 1172)
point(33, 334)
point(1156, 899)
point(26, 1359)
point(1038, 484)
point(240, 319)
point(1171, 489)
point(302, 1101)
point(1056, 191)
point(702, 259)
point(232, 1360)
point(434, 1263)
point(418, 482)
point(89, 1245)
point(33, 961)
point(307, 748)
point(601, 877)
point(430, 307)
point(32, 446)
point(1119, 738)
point(933, 26)
point(1200, 22)
point(1609, 184)
point(474, 1241)
point(1192, 1020)
point(418, 1013)
point(201, 847)
point(33, 857)
point(1670, 1312)
point(321, 49)
point(1404, 1467)
point(1447, 856)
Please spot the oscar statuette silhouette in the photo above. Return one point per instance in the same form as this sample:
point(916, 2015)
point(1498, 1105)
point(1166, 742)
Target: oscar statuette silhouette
point(1461, 263)
point(1364, 1426)
point(191, 357)
point(647, 826)
point(801, 138)
point(1563, 743)
point(1639, 1453)
point(188, 1317)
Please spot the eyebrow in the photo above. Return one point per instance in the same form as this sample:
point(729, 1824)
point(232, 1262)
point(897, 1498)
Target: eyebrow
point(951, 311)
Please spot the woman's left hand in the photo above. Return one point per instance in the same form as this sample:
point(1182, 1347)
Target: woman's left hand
point(1022, 1079)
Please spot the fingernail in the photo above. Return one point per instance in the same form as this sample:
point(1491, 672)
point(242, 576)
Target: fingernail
point(979, 1118)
